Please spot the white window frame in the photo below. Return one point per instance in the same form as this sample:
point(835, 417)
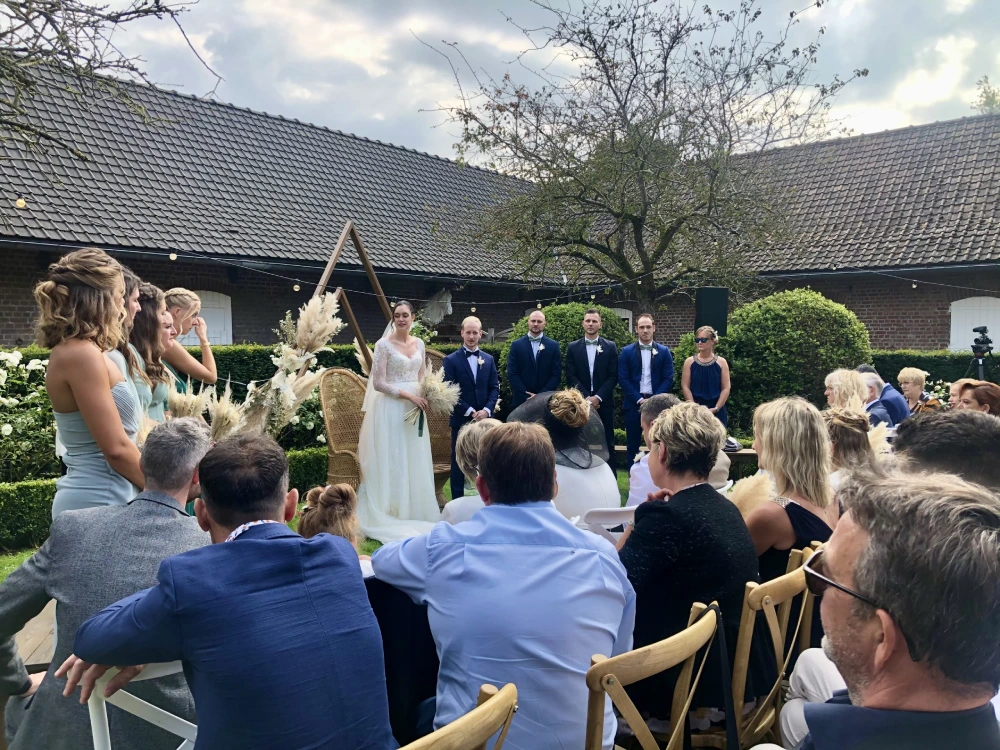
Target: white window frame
point(968, 313)
point(220, 319)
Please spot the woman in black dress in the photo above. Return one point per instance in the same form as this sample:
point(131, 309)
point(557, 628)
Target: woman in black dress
point(691, 546)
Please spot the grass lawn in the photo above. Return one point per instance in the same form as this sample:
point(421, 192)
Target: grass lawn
point(11, 560)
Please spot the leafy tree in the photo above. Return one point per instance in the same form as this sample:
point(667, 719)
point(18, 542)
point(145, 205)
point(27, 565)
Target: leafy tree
point(988, 101)
point(75, 37)
point(643, 162)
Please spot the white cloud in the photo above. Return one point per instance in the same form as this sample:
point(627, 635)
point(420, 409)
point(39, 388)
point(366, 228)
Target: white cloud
point(958, 6)
point(923, 87)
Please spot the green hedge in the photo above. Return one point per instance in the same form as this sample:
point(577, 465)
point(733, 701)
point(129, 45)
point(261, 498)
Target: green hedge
point(25, 512)
point(306, 469)
point(943, 365)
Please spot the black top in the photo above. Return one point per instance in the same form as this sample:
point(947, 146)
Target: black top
point(837, 725)
point(808, 528)
point(693, 548)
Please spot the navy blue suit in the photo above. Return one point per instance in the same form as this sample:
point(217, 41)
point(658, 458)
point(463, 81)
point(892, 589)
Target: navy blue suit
point(895, 404)
point(661, 375)
point(877, 414)
point(481, 393)
point(279, 643)
point(528, 374)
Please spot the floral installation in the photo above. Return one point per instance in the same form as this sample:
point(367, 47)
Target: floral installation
point(441, 397)
point(27, 429)
point(939, 389)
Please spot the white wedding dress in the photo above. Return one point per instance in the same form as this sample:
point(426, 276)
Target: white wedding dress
point(396, 498)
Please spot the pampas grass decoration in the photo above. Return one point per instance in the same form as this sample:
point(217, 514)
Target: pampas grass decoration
point(440, 394)
point(878, 438)
point(360, 356)
point(751, 492)
point(188, 404)
point(318, 323)
point(225, 414)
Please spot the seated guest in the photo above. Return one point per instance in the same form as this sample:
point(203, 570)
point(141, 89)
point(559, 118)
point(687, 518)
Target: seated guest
point(877, 413)
point(518, 595)
point(793, 445)
point(640, 484)
point(584, 479)
point(278, 640)
point(955, 391)
point(911, 383)
point(920, 662)
point(844, 387)
point(467, 456)
point(333, 510)
point(691, 546)
point(980, 396)
point(851, 448)
point(893, 401)
point(962, 442)
point(91, 559)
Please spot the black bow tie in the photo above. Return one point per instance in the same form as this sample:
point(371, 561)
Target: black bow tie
point(470, 353)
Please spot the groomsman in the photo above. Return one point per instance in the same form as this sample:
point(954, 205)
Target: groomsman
point(592, 368)
point(533, 363)
point(645, 369)
point(476, 374)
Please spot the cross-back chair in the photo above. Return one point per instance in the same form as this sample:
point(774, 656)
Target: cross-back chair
point(341, 394)
point(494, 712)
point(97, 705)
point(610, 676)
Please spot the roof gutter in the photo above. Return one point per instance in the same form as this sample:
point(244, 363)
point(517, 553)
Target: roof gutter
point(854, 271)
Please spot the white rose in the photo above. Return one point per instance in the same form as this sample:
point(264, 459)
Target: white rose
point(321, 438)
point(294, 419)
point(3, 377)
point(6, 430)
point(310, 425)
point(35, 364)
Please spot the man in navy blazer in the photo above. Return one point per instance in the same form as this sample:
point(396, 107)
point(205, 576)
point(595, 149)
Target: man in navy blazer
point(645, 369)
point(534, 364)
point(877, 411)
point(475, 371)
point(592, 368)
point(893, 401)
point(279, 643)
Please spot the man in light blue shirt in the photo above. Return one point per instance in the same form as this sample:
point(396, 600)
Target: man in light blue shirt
point(518, 594)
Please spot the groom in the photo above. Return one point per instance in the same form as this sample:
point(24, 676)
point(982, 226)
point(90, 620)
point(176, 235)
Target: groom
point(476, 374)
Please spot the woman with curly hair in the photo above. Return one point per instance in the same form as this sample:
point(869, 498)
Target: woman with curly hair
point(843, 386)
point(851, 447)
point(81, 311)
point(152, 334)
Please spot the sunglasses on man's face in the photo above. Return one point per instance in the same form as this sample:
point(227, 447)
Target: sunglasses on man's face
point(702, 340)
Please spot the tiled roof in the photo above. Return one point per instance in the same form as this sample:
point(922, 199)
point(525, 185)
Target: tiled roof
point(922, 195)
point(224, 180)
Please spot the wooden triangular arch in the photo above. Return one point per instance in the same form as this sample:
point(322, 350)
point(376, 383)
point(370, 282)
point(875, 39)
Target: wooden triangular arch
point(352, 231)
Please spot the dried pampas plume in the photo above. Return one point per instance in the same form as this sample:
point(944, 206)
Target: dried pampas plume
point(225, 415)
point(318, 323)
point(360, 356)
point(878, 438)
point(188, 404)
point(440, 394)
point(751, 492)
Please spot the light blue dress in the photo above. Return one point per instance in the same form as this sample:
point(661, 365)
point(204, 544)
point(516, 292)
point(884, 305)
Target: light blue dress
point(152, 400)
point(89, 481)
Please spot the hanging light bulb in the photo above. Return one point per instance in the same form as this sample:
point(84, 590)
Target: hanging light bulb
point(638, 281)
point(20, 202)
point(173, 256)
point(914, 285)
point(539, 305)
point(473, 308)
point(593, 296)
point(296, 287)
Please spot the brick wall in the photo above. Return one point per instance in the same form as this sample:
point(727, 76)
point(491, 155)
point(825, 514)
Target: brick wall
point(260, 301)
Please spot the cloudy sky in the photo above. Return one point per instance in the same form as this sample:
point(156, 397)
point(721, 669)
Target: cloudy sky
point(359, 66)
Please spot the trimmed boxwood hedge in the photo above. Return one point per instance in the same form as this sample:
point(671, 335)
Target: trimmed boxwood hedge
point(25, 512)
point(306, 469)
point(942, 365)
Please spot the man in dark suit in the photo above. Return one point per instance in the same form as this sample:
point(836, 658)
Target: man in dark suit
point(893, 401)
point(93, 558)
point(534, 364)
point(877, 412)
point(279, 643)
point(475, 371)
point(592, 368)
point(645, 369)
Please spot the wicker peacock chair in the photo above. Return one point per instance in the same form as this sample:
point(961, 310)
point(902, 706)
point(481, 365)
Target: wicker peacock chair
point(342, 394)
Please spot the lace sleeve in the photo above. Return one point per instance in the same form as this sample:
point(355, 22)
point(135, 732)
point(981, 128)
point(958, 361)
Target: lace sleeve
point(379, 364)
point(423, 360)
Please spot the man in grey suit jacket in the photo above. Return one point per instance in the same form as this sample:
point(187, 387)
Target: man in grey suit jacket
point(91, 559)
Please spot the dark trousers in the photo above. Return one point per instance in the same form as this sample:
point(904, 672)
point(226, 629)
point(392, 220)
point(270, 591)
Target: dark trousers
point(457, 477)
point(606, 412)
point(633, 436)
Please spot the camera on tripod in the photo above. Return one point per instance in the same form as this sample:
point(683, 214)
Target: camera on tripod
point(983, 344)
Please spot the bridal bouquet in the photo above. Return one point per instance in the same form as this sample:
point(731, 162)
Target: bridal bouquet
point(441, 397)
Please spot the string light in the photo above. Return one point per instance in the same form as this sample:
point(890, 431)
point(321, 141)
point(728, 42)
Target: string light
point(914, 285)
point(20, 202)
point(539, 305)
point(173, 256)
point(296, 287)
point(473, 308)
point(593, 296)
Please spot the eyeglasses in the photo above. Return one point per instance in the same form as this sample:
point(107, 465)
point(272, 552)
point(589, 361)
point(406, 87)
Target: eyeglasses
point(701, 340)
point(817, 582)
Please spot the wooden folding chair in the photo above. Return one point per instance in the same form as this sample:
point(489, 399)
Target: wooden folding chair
point(609, 676)
point(137, 707)
point(342, 393)
point(494, 712)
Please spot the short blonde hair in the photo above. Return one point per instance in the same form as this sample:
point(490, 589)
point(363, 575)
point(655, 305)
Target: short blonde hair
point(794, 445)
point(912, 375)
point(846, 384)
point(690, 438)
point(472, 319)
point(467, 446)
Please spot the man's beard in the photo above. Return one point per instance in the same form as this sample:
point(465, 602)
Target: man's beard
point(851, 661)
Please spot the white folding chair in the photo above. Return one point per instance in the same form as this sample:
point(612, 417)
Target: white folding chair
point(724, 489)
point(598, 519)
point(137, 707)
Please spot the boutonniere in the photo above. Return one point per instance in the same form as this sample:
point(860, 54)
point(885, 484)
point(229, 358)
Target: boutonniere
point(600, 349)
point(654, 351)
point(481, 361)
point(541, 347)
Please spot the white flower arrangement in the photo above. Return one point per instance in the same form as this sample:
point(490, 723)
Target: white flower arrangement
point(441, 397)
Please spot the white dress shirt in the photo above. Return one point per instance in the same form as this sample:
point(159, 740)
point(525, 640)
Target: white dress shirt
point(646, 378)
point(591, 356)
point(640, 484)
point(518, 594)
point(534, 344)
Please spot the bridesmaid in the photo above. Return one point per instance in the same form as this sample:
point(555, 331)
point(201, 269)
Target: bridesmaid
point(151, 335)
point(705, 378)
point(82, 308)
point(184, 306)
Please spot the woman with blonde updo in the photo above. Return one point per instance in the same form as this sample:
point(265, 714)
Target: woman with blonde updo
point(184, 306)
point(843, 386)
point(333, 510)
point(82, 308)
point(850, 446)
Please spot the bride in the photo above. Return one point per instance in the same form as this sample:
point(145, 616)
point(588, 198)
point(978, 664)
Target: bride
point(396, 498)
